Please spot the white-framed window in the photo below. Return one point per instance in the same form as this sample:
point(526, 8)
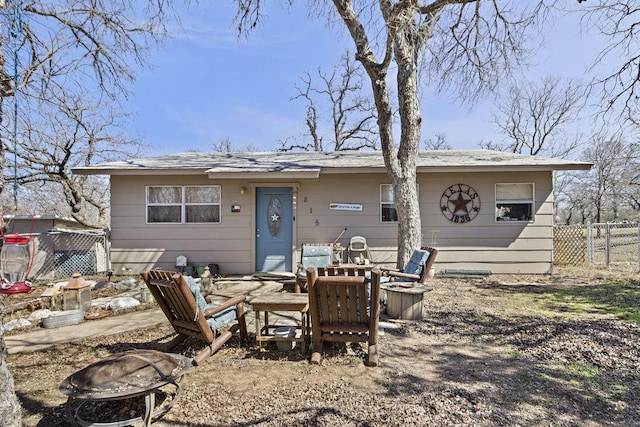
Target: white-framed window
point(388, 211)
point(514, 201)
point(183, 204)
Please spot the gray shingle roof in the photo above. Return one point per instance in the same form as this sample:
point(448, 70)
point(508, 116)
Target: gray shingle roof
point(314, 162)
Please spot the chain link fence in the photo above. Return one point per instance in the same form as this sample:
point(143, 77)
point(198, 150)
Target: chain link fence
point(599, 244)
point(58, 254)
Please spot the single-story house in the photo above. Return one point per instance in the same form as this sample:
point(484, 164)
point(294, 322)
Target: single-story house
point(252, 211)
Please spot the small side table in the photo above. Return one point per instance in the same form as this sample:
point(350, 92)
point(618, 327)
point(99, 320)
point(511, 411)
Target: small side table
point(281, 302)
point(404, 301)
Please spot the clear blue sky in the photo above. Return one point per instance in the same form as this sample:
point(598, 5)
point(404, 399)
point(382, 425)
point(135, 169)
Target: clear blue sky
point(207, 84)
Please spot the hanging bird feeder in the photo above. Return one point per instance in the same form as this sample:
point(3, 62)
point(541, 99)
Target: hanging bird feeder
point(15, 262)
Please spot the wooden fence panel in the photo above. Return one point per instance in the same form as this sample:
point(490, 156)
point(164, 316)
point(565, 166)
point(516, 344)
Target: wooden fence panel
point(569, 245)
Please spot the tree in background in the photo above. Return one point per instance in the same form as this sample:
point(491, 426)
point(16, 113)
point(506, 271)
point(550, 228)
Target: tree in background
point(351, 113)
point(439, 143)
point(225, 145)
point(74, 62)
point(461, 44)
point(607, 192)
point(634, 188)
point(84, 49)
point(534, 118)
point(66, 133)
point(619, 89)
point(615, 160)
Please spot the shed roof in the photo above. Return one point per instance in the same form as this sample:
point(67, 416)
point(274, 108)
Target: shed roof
point(311, 164)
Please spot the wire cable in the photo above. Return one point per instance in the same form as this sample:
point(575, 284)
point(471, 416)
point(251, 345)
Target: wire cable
point(16, 30)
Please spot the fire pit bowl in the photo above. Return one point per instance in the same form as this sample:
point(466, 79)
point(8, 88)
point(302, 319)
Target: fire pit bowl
point(125, 376)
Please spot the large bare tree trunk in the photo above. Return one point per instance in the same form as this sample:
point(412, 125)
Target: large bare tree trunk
point(10, 410)
point(400, 163)
point(401, 166)
point(404, 174)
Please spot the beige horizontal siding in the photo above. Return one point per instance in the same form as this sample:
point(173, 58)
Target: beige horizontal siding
point(316, 222)
point(528, 267)
point(141, 246)
point(508, 232)
point(185, 237)
point(509, 256)
point(505, 247)
point(137, 260)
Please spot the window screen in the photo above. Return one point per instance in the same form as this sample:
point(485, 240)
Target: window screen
point(514, 202)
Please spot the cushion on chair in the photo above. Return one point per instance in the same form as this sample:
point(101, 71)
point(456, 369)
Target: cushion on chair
point(219, 320)
point(196, 291)
point(316, 256)
point(415, 265)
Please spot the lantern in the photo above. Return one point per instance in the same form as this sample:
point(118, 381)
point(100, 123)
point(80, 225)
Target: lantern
point(76, 294)
point(15, 263)
point(54, 296)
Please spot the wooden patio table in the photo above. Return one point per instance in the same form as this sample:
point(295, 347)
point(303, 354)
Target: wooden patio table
point(269, 303)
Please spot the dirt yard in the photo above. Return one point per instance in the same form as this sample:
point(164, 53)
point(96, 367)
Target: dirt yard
point(499, 351)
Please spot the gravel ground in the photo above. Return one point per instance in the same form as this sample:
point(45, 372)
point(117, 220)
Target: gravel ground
point(489, 352)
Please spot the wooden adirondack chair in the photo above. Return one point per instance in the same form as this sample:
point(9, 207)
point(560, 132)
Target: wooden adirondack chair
point(416, 270)
point(190, 314)
point(344, 308)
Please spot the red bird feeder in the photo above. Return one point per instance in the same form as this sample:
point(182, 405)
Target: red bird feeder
point(15, 262)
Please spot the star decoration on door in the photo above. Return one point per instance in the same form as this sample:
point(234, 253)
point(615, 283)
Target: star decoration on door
point(460, 203)
point(274, 213)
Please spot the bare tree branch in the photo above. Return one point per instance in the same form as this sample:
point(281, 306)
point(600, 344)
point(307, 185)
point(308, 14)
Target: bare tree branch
point(66, 54)
point(533, 117)
point(607, 192)
point(619, 22)
point(65, 43)
point(68, 132)
point(352, 116)
point(439, 143)
point(466, 44)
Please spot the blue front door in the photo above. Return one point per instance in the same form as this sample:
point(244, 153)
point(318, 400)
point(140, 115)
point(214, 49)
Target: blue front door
point(274, 228)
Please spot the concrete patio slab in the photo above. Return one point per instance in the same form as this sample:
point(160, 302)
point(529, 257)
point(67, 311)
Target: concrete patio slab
point(227, 287)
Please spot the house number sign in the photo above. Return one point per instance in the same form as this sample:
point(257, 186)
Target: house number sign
point(460, 203)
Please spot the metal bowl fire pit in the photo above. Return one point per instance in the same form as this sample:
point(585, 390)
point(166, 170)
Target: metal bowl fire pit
point(125, 376)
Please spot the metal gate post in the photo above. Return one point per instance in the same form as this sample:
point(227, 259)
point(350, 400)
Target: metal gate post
point(107, 250)
point(589, 243)
point(607, 239)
